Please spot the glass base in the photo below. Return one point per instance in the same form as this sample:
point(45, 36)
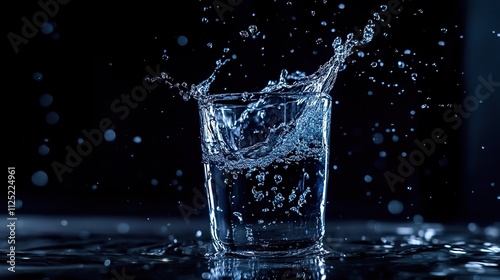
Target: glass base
point(281, 250)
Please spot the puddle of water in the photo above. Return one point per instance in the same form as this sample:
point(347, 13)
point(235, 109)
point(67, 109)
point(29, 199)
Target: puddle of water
point(107, 248)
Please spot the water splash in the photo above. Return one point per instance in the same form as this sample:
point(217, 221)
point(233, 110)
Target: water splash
point(321, 81)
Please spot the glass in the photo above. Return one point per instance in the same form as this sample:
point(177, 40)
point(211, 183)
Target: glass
point(266, 158)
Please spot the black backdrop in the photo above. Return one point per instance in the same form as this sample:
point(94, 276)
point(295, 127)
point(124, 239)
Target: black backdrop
point(91, 54)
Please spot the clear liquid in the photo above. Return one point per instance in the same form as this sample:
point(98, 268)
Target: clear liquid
point(277, 208)
point(266, 169)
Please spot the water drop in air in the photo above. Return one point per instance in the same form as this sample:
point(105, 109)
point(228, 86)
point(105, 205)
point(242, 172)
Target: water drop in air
point(45, 100)
point(37, 76)
point(39, 178)
point(395, 207)
point(43, 150)
point(378, 138)
point(182, 40)
point(110, 135)
point(137, 139)
point(368, 178)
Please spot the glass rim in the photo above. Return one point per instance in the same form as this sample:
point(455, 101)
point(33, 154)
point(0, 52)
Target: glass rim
point(250, 95)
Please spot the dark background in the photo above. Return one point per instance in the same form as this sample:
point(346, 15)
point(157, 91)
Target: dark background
point(98, 51)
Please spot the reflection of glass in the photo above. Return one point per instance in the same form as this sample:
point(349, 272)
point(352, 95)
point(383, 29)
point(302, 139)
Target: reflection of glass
point(249, 268)
point(266, 168)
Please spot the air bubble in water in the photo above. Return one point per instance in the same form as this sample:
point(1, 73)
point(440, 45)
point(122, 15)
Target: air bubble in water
point(239, 216)
point(278, 179)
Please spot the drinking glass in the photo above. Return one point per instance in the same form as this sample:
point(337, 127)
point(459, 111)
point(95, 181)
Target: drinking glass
point(266, 158)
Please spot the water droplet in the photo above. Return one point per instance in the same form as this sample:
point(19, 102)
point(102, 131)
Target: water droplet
point(137, 139)
point(368, 178)
point(278, 179)
point(182, 40)
point(39, 178)
point(47, 28)
point(319, 41)
point(244, 33)
point(64, 223)
point(52, 118)
point(123, 228)
point(378, 138)
point(109, 135)
point(198, 233)
point(37, 76)
point(154, 182)
point(441, 43)
point(43, 150)
point(395, 207)
point(407, 51)
point(395, 138)
point(204, 20)
point(401, 64)
point(382, 154)
point(341, 6)
point(178, 173)
point(45, 100)
point(209, 45)
point(373, 64)
point(107, 262)
point(370, 92)
point(253, 29)
point(323, 23)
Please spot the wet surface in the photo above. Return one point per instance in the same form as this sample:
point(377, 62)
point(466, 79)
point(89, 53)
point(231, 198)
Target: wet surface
point(130, 248)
